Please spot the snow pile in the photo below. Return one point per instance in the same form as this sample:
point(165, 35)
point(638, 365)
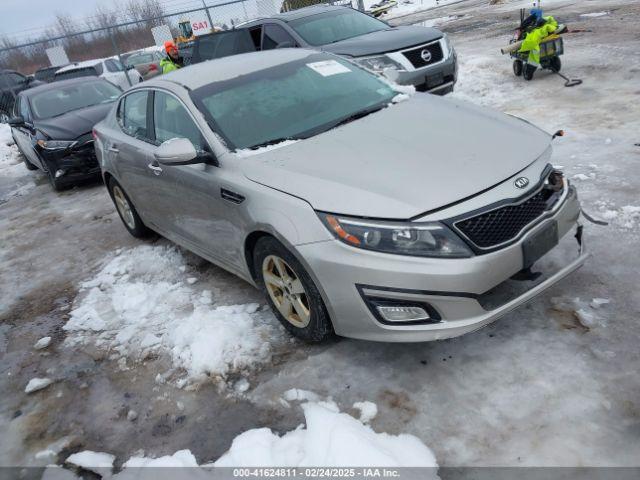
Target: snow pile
point(594, 14)
point(368, 410)
point(140, 303)
point(584, 312)
point(406, 7)
point(330, 438)
point(626, 217)
point(94, 461)
point(36, 384)
point(12, 166)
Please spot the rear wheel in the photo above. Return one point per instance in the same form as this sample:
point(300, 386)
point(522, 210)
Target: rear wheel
point(4, 117)
point(528, 71)
point(127, 211)
point(290, 291)
point(555, 64)
point(517, 68)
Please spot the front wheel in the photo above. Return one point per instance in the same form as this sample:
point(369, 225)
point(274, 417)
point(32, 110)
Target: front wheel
point(127, 211)
point(290, 291)
point(517, 68)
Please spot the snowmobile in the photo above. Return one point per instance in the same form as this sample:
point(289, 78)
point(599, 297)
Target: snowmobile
point(381, 8)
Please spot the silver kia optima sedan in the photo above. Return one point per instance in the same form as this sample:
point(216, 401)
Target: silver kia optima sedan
point(357, 210)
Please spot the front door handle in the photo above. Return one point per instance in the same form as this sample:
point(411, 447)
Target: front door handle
point(113, 149)
point(155, 168)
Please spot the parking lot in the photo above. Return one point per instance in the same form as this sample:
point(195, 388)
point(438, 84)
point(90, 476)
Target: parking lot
point(554, 383)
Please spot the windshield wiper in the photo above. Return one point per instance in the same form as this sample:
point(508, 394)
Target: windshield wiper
point(271, 142)
point(357, 115)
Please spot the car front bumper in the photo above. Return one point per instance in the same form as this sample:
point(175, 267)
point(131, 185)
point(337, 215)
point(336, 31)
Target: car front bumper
point(74, 164)
point(454, 288)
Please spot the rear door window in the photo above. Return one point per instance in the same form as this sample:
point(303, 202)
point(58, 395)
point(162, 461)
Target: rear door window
point(132, 115)
point(275, 35)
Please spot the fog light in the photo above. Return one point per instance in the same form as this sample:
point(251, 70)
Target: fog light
point(397, 313)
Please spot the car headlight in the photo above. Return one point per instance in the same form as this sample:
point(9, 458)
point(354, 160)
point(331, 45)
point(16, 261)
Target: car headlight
point(56, 144)
point(429, 239)
point(379, 64)
point(446, 43)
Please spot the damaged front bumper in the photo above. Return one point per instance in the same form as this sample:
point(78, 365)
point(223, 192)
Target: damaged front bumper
point(75, 163)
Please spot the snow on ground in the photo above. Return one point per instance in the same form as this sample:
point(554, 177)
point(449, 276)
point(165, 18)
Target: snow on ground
point(332, 439)
point(329, 438)
point(594, 14)
point(12, 169)
point(141, 303)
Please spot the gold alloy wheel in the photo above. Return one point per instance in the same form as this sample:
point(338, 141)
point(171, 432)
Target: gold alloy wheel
point(124, 208)
point(286, 291)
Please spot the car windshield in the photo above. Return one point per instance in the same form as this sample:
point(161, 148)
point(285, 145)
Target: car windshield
point(53, 103)
point(335, 26)
point(294, 100)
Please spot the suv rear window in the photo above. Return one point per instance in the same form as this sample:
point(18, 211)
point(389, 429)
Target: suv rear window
point(77, 73)
point(222, 44)
point(46, 74)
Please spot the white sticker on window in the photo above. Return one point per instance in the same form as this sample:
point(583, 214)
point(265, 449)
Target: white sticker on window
point(328, 68)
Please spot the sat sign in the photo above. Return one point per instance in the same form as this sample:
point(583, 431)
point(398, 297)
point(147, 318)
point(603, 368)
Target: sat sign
point(200, 26)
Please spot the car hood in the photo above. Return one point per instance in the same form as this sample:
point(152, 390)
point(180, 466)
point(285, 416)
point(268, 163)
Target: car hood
point(391, 39)
point(405, 160)
point(73, 124)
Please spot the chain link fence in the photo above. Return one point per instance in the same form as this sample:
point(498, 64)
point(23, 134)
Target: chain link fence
point(141, 25)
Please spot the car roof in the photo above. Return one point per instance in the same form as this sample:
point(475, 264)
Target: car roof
point(306, 12)
point(78, 65)
point(225, 68)
point(58, 84)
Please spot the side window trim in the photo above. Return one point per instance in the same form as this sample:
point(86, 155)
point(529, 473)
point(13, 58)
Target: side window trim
point(151, 121)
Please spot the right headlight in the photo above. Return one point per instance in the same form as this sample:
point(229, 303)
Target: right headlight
point(379, 64)
point(429, 239)
point(446, 43)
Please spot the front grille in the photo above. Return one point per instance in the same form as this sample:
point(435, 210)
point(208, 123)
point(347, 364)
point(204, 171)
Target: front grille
point(504, 224)
point(415, 55)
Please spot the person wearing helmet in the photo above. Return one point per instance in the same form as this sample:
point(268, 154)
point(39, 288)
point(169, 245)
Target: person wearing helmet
point(173, 60)
point(536, 28)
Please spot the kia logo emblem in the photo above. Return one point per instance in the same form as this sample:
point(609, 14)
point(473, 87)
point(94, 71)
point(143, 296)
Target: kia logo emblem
point(521, 182)
point(426, 55)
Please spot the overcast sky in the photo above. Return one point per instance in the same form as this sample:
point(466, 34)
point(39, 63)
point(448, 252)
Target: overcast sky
point(21, 16)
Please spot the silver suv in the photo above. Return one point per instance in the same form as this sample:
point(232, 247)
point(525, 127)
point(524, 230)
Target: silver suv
point(355, 209)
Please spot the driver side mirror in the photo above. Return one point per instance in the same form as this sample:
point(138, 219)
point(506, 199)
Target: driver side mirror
point(16, 121)
point(180, 151)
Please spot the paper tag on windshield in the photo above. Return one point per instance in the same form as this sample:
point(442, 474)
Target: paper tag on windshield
point(328, 68)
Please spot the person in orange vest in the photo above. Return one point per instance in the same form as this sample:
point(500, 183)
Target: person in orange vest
point(173, 60)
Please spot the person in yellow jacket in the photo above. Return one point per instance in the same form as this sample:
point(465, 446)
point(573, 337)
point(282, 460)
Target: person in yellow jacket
point(544, 26)
point(173, 60)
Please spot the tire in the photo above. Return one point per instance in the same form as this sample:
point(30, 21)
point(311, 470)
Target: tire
point(555, 64)
point(4, 117)
point(517, 68)
point(528, 71)
point(289, 288)
point(28, 164)
point(127, 212)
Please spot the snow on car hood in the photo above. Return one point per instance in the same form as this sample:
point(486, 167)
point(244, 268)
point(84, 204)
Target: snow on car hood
point(402, 161)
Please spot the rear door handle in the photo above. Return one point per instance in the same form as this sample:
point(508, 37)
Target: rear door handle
point(155, 168)
point(113, 149)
